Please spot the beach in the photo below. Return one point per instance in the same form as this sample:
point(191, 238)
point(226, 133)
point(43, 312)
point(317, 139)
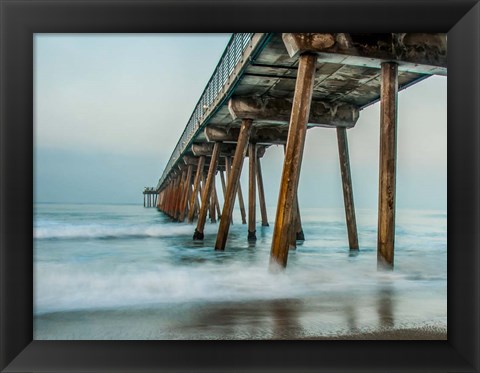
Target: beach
point(123, 272)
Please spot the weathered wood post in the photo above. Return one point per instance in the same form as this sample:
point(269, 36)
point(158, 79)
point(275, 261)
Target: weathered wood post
point(217, 204)
point(144, 202)
point(292, 235)
point(239, 192)
point(300, 236)
point(170, 196)
point(347, 188)
point(197, 201)
point(252, 170)
point(222, 180)
point(213, 218)
point(241, 202)
point(207, 189)
point(387, 169)
point(261, 194)
point(196, 183)
point(293, 159)
point(234, 177)
point(224, 188)
point(180, 193)
point(186, 192)
point(176, 187)
point(166, 197)
point(200, 193)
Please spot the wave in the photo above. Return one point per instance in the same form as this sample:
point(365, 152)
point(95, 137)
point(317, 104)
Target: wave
point(64, 287)
point(98, 231)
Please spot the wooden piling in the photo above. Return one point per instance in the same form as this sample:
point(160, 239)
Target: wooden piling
point(252, 171)
point(261, 194)
point(166, 198)
point(200, 192)
point(222, 180)
point(228, 168)
point(347, 188)
point(297, 221)
point(387, 168)
point(293, 159)
point(176, 196)
point(187, 189)
point(292, 234)
point(217, 204)
point(224, 188)
point(172, 196)
point(300, 236)
point(234, 177)
point(198, 174)
point(241, 202)
point(180, 193)
point(207, 189)
point(212, 213)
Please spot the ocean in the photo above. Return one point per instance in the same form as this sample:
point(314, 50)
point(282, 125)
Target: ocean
point(125, 272)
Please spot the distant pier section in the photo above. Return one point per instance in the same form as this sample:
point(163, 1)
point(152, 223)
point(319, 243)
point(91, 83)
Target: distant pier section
point(270, 88)
point(150, 196)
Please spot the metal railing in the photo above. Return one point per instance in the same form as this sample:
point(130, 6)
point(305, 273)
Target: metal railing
point(229, 59)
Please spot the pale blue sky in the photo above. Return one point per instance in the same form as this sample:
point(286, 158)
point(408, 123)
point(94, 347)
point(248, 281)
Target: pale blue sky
point(109, 110)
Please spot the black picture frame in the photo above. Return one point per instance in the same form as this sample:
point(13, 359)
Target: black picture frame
point(20, 19)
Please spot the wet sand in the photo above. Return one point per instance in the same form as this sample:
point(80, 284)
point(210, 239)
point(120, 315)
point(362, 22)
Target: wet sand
point(288, 319)
point(420, 334)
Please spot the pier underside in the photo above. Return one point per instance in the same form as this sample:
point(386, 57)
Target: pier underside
point(278, 87)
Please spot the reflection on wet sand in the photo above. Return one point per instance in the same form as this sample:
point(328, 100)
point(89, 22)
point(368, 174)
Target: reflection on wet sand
point(386, 305)
point(328, 317)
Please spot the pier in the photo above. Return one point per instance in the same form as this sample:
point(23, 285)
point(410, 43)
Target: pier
point(150, 196)
point(270, 89)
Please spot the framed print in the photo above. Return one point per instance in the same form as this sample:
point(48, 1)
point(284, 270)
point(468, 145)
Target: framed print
point(276, 330)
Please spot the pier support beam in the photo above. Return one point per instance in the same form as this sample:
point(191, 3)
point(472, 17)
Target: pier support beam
point(173, 198)
point(299, 235)
point(234, 177)
point(241, 203)
point(292, 235)
point(224, 187)
point(252, 195)
point(217, 205)
point(222, 180)
point(293, 160)
point(347, 188)
point(213, 200)
point(176, 191)
point(387, 168)
point(186, 196)
point(206, 194)
point(228, 168)
point(180, 193)
point(196, 184)
point(261, 194)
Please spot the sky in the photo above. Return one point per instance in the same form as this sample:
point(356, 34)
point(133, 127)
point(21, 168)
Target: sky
point(109, 110)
